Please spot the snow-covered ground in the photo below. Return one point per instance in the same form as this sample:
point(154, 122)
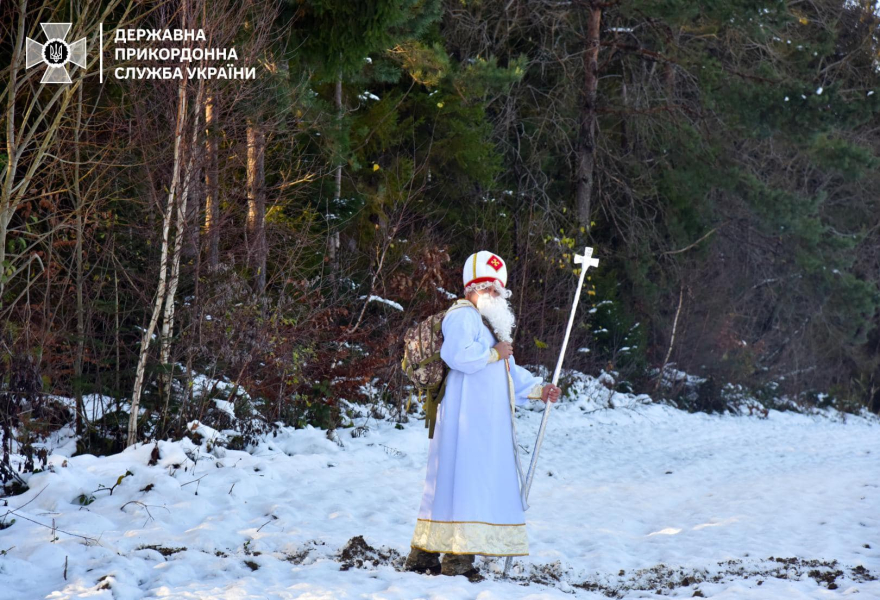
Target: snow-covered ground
point(632, 502)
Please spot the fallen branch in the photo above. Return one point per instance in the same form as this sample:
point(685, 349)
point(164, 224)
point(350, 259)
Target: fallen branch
point(146, 508)
point(688, 247)
point(90, 540)
point(196, 480)
point(671, 339)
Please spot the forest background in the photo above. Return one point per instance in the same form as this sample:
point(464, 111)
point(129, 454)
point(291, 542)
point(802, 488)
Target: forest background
point(280, 233)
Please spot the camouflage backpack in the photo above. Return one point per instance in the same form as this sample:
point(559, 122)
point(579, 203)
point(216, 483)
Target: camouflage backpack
point(423, 365)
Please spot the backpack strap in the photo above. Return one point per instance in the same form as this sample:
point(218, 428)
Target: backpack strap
point(434, 398)
point(461, 303)
point(465, 303)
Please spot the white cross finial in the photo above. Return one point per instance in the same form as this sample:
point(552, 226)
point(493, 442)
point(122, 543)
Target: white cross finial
point(585, 259)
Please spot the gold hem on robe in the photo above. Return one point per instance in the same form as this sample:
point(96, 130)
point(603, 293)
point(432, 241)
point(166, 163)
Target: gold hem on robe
point(471, 537)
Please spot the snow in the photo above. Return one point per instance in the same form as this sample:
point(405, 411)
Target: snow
point(629, 502)
point(227, 407)
point(209, 433)
point(368, 95)
point(152, 337)
point(390, 303)
point(449, 295)
point(94, 405)
point(671, 375)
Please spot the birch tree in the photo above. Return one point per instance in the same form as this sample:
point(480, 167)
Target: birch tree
point(256, 198)
point(190, 173)
point(212, 184)
point(163, 264)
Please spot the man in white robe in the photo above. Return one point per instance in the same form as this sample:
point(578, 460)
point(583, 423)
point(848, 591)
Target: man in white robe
point(471, 501)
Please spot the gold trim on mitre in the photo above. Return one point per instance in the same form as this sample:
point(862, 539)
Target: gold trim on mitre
point(471, 537)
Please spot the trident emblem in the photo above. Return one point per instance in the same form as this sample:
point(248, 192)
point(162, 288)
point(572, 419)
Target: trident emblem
point(56, 53)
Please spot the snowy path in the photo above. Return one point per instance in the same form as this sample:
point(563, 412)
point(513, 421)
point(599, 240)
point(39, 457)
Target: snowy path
point(640, 500)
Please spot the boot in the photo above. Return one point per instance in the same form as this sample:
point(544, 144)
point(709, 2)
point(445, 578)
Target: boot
point(458, 564)
point(421, 561)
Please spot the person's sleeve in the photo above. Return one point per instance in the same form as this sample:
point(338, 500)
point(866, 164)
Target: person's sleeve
point(461, 349)
point(525, 385)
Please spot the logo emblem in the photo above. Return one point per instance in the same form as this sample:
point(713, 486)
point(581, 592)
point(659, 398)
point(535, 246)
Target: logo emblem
point(56, 53)
point(495, 262)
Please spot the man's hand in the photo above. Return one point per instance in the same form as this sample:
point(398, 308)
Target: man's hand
point(505, 349)
point(550, 392)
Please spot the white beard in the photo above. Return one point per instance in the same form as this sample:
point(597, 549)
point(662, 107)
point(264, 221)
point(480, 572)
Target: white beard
point(499, 313)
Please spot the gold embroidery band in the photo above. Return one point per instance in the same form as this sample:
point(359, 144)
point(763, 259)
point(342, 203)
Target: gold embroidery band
point(470, 537)
point(480, 553)
point(481, 522)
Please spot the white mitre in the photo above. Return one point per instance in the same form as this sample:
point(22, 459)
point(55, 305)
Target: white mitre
point(484, 266)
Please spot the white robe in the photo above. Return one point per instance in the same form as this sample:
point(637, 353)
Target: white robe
point(471, 501)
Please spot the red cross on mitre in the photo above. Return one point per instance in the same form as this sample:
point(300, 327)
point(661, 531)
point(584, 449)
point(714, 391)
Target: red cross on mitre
point(495, 262)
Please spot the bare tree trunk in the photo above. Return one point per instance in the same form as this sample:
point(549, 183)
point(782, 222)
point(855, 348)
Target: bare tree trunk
point(624, 99)
point(179, 235)
point(163, 267)
point(194, 207)
point(256, 193)
point(80, 314)
point(586, 146)
point(671, 339)
point(117, 388)
point(212, 187)
point(333, 240)
point(669, 72)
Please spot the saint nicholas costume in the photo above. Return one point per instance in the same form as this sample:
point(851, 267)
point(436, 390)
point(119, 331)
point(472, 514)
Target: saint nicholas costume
point(471, 502)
